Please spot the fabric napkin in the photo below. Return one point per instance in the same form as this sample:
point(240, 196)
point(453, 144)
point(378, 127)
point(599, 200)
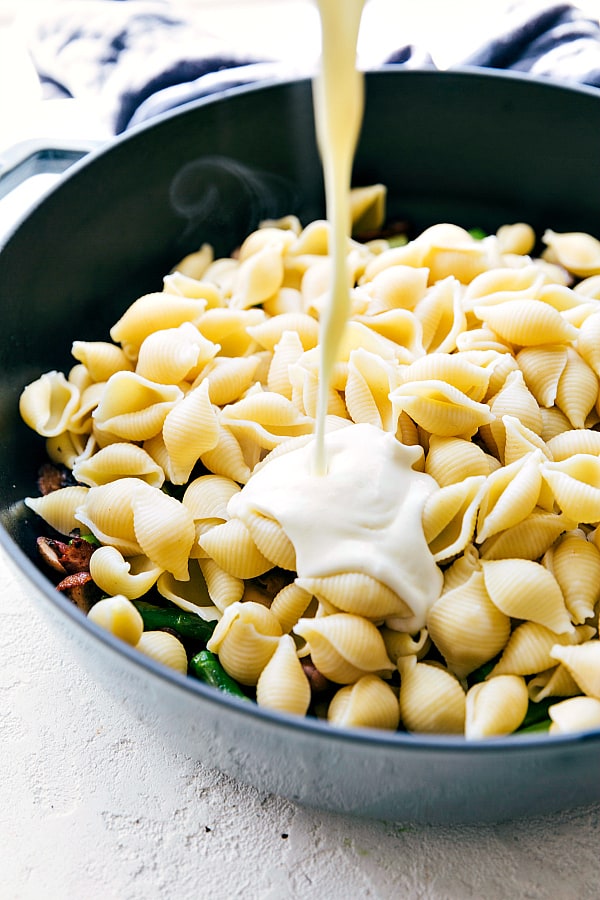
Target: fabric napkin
point(138, 58)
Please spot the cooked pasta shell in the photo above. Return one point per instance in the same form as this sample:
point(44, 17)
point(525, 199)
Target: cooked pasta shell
point(134, 408)
point(398, 287)
point(509, 495)
point(223, 588)
point(258, 277)
point(369, 703)
point(462, 568)
point(400, 643)
point(499, 284)
point(432, 700)
point(114, 574)
point(578, 440)
point(119, 616)
point(513, 399)
point(496, 707)
point(191, 595)
point(454, 369)
point(272, 541)
point(287, 351)
point(289, 605)
point(466, 627)
point(282, 684)
point(101, 358)
point(528, 649)
point(190, 430)
point(451, 250)
point(526, 323)
point(164, 528)
point(399, 326)
point(370, 380)
point(119, 460)
point(184, 285)
point(524, 589)
point(583, 663)
point(68, 448)
point(441, 316)
point(195, 264)
point(151, 313)
point(60, 508)
point(356, 593)
point(588, 341)
point(269, 333)
point(164, 648)
point(344, 647)
point(554, 422)
point(207, 497)
point(229, 377)
point(245, 639)
point(516, 238)
point(554, 682)
point(226, 458)
point(575, 714)
point(440, 408)
point(528, 539)
point(171, 355)
point(286, 300)
point(578, 252)
point(452, 459)
point(233, 549)
point(575, 483)
point(575, 563)
point(577, 390)
point(107, 510)
point(271, 236)
point(268, 417)
point(229, 328)
point(449, 517)
point(48, 404)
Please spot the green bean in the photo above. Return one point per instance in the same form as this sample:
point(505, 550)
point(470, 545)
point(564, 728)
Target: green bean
point(206, 667)
point(187, 625)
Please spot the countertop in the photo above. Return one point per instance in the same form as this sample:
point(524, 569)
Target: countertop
point(93, 805)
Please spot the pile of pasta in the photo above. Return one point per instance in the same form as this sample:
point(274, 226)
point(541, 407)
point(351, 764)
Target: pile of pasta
point(479, 352)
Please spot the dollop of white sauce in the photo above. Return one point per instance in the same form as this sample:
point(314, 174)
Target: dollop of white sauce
point(363, 515)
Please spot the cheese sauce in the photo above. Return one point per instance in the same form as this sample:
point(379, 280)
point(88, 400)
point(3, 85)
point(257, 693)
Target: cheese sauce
point(350, 500)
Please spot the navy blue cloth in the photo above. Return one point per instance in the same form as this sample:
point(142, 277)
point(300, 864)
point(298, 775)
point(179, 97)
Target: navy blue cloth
point(137, 59)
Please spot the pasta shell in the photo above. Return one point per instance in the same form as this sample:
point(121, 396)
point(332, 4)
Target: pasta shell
point(441, 316)
point(195, 264)
point(191, 595)
point(164, 529)
point(134, 408)
point(528, 539)
point(431, 698)
point(233, 549)
point(542, 368)
point(68, 448)
point(577, 390)
point(368, 386)
point(118, 616)
point(578, 440)
point(113, 574)
point(171, 355)
point(496, 707)
point(356, 593)
point(527, 323)
point(226, 457)
point(245, 639)
point(269, 418)
point(107, 510)
point(101, 358)
point(282, 684)
point(500, 284)
point(207, 497)
point(528, 649)
point(440, 408)
point(369, 703)
point(48, 404)
point(229, 328)
point(575, 714)
point(510, 495)
point(344, 647)
point(515, 400)
point(575, 563)
point(287, 351)
point(462, 568)
point(116, 461)
point(450, 460)
point(449, 517)
point(398, 287)
point(190, 430)
point(575, 483)
point(289, 604)
point(60, 508)
point(466, 627)
point(270, 332)
point(554, 682)
point(399, 326)
point(470, 379)
point(400, 643)
point(517, 238)
point(524, 589)
point(583, 663)
point(588, 341)
point(151, 313)
point(164, 648)
point(223, 588)
point(576, 251)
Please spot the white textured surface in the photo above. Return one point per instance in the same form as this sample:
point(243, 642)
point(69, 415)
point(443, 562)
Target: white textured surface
point(92, 805)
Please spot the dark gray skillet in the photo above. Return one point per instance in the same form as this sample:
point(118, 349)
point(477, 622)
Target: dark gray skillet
point(478, 149)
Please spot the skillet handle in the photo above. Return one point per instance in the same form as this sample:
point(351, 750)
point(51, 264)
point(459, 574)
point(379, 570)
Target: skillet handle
point(29, 169)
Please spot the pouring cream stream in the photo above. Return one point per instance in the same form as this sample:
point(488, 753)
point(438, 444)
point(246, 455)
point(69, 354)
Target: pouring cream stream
point(350, 500)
